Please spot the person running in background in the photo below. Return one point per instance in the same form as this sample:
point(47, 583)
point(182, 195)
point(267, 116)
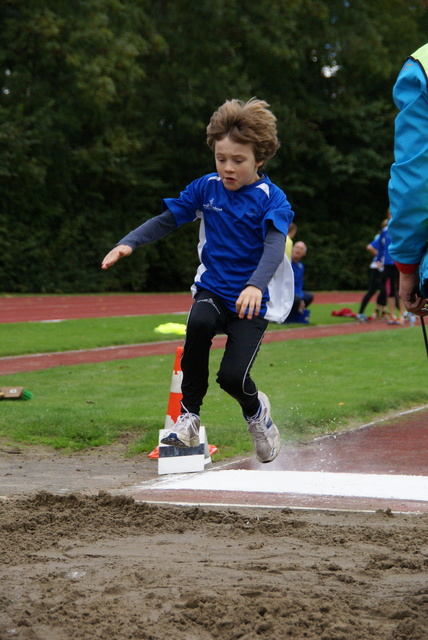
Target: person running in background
point(390, 276)
point(244, 279)
point(376, 284)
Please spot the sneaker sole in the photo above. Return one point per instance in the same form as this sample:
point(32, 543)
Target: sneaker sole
point(273, 455)
point(276, 447)
point(172, 440)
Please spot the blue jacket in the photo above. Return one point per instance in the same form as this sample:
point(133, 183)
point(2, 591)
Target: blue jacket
point(299, 272)
point(408, 185)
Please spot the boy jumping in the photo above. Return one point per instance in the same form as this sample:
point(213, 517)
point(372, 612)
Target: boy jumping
point(244, 279)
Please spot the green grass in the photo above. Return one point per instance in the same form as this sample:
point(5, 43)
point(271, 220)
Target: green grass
point(42, 337)
point(316, 386)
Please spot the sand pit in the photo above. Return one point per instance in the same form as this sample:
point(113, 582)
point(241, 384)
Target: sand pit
point(88, 567)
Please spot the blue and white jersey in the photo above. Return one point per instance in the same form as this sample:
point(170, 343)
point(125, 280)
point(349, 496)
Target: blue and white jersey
point(381, 244)
point(233, 227)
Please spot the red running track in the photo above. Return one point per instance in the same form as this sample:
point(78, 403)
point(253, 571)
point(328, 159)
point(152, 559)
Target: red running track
point(44, 308)
point(48, 308)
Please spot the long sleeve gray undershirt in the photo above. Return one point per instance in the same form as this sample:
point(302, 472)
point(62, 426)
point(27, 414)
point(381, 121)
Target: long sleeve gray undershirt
point(160, 226)
point(272, 256)
point(151, 230)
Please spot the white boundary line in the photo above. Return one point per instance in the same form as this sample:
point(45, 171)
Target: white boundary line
point(373, 479)
point(307, 483)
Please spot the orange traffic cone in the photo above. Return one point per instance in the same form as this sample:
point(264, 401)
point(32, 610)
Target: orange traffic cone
point(175, 395)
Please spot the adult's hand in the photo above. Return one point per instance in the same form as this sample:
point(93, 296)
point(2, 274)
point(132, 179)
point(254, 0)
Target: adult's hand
point(408, 289)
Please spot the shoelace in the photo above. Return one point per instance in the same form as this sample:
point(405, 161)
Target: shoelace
point(258, 424)
point(188, 419)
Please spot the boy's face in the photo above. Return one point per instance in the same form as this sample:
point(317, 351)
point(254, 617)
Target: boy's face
point(235, 163)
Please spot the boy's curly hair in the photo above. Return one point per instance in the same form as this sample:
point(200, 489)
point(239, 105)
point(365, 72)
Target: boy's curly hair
point(246, 123)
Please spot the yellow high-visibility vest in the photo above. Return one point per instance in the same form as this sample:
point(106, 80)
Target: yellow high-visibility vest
point(421, 55)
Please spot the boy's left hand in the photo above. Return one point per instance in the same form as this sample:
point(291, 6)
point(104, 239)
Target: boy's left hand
point(249, 302)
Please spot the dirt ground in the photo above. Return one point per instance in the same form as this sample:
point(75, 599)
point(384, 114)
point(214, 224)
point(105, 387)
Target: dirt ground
point(82, 561)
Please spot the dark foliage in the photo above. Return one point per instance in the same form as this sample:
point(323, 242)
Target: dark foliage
point(103, 110)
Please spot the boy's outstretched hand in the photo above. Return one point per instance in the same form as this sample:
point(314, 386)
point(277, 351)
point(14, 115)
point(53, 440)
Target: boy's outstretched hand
point(250, 298)
point(121, 251)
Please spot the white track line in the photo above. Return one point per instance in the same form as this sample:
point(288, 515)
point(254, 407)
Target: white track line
point(393, 487)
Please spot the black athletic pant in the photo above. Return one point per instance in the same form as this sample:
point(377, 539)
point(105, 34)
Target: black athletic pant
point(208, 317)
point(376, 283)
point(390, 278)
point(307, 299)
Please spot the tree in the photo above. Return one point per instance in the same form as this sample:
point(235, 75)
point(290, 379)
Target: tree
point(69, 136)
point(104, 109)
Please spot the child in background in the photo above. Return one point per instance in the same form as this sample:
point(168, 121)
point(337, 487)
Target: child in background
point(389, 274)
point(376, 283)
point(244, 279)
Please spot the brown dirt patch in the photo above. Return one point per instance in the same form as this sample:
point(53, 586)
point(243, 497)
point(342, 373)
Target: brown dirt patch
point(28, 469)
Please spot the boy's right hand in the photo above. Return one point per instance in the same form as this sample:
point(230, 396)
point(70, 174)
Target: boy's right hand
point(249, 302)
point(121, 251)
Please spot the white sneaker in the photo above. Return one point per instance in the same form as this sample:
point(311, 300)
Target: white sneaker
point(185, 432)
point(265, 433)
